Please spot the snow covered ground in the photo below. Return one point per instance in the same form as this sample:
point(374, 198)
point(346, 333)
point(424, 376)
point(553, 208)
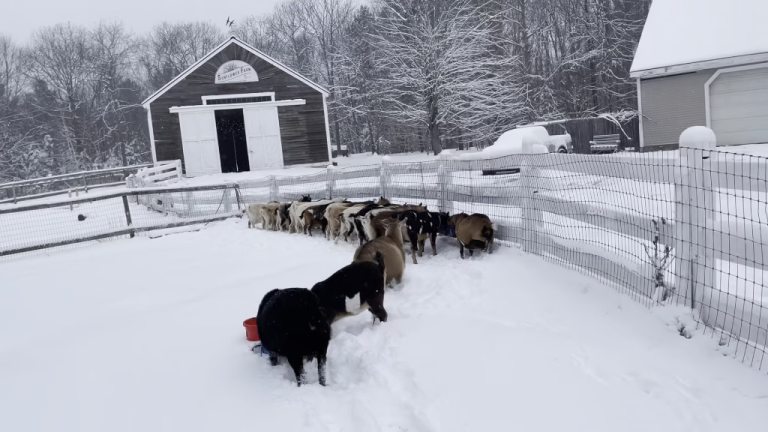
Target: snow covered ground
point(146, 335)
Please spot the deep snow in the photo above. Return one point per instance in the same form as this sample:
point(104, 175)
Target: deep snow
point(146, 335)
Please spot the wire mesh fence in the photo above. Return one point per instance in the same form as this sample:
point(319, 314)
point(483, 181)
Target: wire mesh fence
point(64, 183)
point(26, 229)
point(664, 229)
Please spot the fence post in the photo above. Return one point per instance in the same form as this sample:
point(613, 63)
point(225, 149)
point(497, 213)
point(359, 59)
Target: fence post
point(695, 218)
point(445, 180)
point(274, 189)
point(14, 194)
point(189, 198)
point(227, 200)
point(85, 183)
point(238, 198)
point(330, 180)
point(127, 210)
point(385, 177)
point(531, 216)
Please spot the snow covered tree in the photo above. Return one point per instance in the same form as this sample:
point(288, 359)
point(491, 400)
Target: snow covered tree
point(442, 70)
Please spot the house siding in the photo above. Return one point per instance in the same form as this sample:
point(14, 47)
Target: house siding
point(671, 104)
point(302, 127)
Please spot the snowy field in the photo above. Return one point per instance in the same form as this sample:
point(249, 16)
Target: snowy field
point(146, 335)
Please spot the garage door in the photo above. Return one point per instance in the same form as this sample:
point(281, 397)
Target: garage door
point(739, 107)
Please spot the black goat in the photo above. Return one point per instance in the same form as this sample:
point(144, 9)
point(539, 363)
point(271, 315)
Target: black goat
point(292, 324)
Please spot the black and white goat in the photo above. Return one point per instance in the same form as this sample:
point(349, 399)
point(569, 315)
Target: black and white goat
point(353, 289)
point(420, 225)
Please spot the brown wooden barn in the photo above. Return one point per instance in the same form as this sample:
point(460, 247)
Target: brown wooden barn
point(237, 109)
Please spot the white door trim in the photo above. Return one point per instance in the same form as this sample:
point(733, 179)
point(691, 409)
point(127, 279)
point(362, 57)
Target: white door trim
point(236, 96)
point(288, 102)
point(152, 135)
point(641, 144)
point(708, 85)
point(327, 131)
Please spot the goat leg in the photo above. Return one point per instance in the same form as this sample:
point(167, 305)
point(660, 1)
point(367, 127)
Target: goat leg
point(274, 360)
point(297, 364)
point(432, 242)
point(413, 237)
point(321, 360)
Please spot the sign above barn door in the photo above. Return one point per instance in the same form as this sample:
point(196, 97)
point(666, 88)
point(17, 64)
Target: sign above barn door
point(235, 71)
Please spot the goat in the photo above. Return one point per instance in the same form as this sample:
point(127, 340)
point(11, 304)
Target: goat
point(294, 213)
point(292, 324)
point(283, 218)
point(314, 217)
point(255, 215)
point(473, 231)
point(352, 289)
point(332, 216)
point(419, 226)
point(372, 224)
point(269, 215)
point(390, 246)
point(304, 206)
point(347, 218)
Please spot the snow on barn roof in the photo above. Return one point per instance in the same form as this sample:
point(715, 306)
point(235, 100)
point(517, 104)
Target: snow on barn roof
point(680, 35)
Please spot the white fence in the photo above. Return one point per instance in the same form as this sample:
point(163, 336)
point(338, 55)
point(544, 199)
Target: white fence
point(160, 172)
point(84, 181)
point(595, 213)
point(598, 214)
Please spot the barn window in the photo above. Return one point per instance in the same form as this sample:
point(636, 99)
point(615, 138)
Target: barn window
point(238, 98)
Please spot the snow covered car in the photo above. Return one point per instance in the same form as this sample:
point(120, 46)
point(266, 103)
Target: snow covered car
point(511, 142)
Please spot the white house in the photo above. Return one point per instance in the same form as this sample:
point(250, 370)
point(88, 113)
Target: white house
point(703, 62)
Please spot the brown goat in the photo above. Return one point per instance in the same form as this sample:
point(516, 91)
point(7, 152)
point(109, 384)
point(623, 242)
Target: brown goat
point(333, 216)
point(374, 223)
point(390, 246)
point(473, 231)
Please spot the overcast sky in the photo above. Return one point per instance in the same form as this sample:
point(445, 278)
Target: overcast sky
point(20, 18)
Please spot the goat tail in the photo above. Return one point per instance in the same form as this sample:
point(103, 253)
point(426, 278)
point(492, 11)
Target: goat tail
point(380, 260)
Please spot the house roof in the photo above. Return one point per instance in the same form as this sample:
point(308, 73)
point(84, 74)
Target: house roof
point(218, 49)
point(688, 35)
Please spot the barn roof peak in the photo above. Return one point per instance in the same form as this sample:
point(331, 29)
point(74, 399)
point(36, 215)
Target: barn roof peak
point(232, 39)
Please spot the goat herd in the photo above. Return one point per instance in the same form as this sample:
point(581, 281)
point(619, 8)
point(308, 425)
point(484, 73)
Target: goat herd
point(295, 323)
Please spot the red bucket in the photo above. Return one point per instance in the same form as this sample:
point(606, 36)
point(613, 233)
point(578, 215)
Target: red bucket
point(251, 329)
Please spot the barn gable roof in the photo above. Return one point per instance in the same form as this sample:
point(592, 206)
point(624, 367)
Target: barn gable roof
point(218, 49)
point(688, 35)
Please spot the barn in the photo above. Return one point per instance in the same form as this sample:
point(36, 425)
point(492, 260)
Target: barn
point(703, 62)
point(235, 110)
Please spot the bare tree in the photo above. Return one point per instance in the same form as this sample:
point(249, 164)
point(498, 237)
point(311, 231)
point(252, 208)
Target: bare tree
point(442, 69)
point(171, 48)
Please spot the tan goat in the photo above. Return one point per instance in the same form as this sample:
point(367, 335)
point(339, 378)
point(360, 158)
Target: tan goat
point(390, 245)
point(473, 231)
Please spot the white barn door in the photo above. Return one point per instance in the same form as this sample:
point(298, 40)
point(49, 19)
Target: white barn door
point(200, 143)
point(262, 131)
